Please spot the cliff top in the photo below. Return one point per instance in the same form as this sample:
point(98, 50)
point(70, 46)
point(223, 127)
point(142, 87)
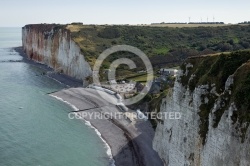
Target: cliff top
point(163, 45)
point(44, 27)
point(217, 72)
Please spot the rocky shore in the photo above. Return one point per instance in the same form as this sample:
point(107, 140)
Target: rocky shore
point(130, 139)
point(62, 78)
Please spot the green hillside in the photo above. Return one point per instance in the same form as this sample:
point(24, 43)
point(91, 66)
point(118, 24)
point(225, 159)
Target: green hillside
point(214, 70)
point(163, 45)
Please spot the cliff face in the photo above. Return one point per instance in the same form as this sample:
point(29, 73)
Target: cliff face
point(212, 94)
point(52, 45)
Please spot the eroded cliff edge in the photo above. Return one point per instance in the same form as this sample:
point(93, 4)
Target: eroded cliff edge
point(52, 45)
point(213, 95)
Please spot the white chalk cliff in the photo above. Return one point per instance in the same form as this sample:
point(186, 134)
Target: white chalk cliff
point(52, 45)
point(197, 141)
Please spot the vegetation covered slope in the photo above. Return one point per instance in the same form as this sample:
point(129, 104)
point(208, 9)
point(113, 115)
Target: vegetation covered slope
point(162, 44)
point(214, 71)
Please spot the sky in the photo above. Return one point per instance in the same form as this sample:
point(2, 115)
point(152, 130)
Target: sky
point(17, 13)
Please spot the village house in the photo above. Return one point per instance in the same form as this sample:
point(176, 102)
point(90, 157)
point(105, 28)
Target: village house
point(168, 72)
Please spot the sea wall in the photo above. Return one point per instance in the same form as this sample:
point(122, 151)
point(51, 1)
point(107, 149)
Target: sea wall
point(52, 45)
point(214, 127)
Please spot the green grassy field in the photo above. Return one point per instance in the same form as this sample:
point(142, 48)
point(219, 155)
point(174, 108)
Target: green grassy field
point(141, 78)
point(165, 45)
point(187, 25)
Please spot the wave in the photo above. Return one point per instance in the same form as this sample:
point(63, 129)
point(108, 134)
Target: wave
point(58, 81)
point(109, 153)
point(9, 55)
point(5, 61)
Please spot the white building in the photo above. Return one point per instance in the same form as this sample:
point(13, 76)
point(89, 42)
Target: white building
point(113, 82)
point(169, 72)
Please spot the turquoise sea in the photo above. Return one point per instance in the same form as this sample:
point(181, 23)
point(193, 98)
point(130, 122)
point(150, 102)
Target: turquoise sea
point(34, 127)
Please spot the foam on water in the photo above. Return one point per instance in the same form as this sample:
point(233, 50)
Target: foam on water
point(34, 128)
point(109, 153)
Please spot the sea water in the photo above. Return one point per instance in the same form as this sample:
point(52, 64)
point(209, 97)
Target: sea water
point(34, 127)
